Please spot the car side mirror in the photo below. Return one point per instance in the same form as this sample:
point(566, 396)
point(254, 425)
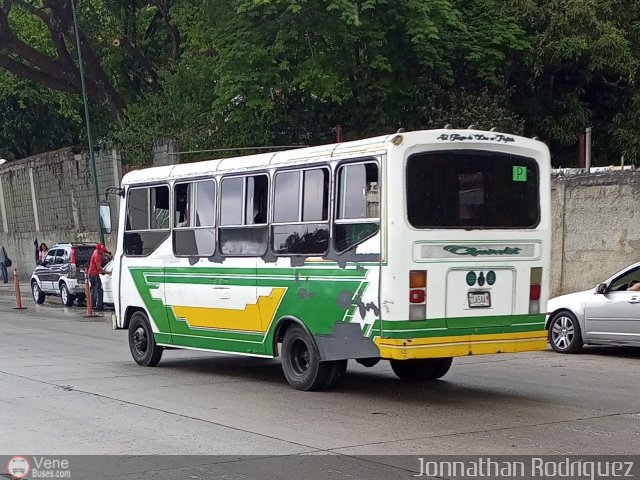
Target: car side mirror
point(601, 288)
point(105, 217)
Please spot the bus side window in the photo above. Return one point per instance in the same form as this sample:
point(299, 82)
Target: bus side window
point(147, 222)
point(243, 227)
point(301, 220)
point(358, 205)
point(194, 217)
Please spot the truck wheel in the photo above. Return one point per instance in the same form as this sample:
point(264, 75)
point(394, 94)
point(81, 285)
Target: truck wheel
point(38, 295)
point(65, 296)
point(301, 361)
point(141, 341)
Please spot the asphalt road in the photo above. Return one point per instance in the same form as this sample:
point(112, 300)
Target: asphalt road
point(69, 386)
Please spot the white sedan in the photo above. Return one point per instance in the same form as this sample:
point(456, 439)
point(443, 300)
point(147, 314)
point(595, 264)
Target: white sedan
point(107, 291)
point(604, 315)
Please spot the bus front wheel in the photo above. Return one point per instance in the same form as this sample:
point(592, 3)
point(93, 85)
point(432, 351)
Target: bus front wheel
point(301, 362)
point(422, 369)
point(141, 341)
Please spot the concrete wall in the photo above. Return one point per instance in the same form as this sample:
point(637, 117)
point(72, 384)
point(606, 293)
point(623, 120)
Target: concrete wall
point(596, 228)
point(51, 197)
point(165, 152)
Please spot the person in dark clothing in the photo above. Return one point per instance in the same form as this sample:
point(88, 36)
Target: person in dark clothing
point(3, 265)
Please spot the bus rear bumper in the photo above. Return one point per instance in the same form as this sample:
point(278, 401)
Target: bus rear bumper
point(461, 345)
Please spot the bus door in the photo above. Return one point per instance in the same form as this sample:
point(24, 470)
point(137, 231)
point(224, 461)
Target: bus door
point(243, 240)
point(146, 246)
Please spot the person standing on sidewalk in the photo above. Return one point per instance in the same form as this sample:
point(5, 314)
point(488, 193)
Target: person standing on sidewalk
point(3, 264)
point(94, 271)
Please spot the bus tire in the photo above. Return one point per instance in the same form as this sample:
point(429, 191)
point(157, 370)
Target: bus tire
point(421, 369)
point(301, 361)
point(141, 341)
point(335, 375)
point(442, 367)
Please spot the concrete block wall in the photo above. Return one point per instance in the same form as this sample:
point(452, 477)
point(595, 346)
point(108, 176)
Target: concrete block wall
point(165, 152)
point(596, 228)
point(51, 197)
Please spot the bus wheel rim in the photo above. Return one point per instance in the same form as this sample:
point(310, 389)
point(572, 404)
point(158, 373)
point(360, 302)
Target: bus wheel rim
point(140, 340)
point(300, 357)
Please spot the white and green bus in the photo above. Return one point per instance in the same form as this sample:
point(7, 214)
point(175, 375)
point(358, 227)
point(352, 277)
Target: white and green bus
point(414, 247)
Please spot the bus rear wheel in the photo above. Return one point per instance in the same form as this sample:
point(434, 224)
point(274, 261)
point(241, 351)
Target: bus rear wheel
point(141, 341)
point(335, 375)
point(301, 362)
point(422, 369)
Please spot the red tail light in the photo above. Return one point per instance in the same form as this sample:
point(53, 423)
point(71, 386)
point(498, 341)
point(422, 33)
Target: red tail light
point(417, 296)
point(73, 255)
point(535, 282)
point(534, 292)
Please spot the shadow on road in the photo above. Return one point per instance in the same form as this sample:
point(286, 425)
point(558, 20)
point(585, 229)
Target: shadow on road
point(621, 352)
point(378, 382)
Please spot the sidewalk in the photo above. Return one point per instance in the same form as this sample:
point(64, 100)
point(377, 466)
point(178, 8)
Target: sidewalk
point(9, 289)
point(51, 306)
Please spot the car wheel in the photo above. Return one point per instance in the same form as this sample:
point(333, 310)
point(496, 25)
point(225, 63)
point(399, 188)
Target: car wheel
point(38, 295)
point(65, 296)
point(301, 361)
point(142, 344)
point(421, 369)
point(565, 335)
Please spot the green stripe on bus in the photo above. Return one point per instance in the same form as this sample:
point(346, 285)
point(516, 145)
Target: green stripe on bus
point(442, 327)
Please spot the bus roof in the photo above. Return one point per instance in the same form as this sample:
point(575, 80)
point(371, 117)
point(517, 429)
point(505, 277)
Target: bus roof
point(364, 146)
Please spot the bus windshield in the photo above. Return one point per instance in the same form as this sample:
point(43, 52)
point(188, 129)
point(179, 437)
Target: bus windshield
point(472, 189)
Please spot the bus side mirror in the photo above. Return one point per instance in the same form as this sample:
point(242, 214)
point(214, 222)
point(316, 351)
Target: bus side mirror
point(601, 288)
point(105, 217)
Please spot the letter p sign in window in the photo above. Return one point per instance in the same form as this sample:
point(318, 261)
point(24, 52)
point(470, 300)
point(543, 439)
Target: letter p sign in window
point(519, 174)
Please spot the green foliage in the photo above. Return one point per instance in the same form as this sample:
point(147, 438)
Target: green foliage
point(34, 119)
point(482, 109)
point(625, 133)
point(181, 112)
point(30, 126)
point(273, 72)
point(580, 72)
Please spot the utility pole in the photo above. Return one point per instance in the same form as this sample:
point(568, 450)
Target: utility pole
point(587, 149)
point(88, 121)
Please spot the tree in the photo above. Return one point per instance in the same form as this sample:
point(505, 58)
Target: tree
point(35, 119)
point(37, 43)
point(29, 127)
point(581, 70)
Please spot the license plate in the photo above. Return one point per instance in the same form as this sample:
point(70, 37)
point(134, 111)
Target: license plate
point(479, 299)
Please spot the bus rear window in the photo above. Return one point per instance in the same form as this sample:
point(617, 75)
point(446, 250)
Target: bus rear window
point(472, 189)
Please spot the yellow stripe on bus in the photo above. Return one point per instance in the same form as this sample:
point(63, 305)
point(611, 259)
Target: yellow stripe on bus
point(249, 319)
point(458, 346)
